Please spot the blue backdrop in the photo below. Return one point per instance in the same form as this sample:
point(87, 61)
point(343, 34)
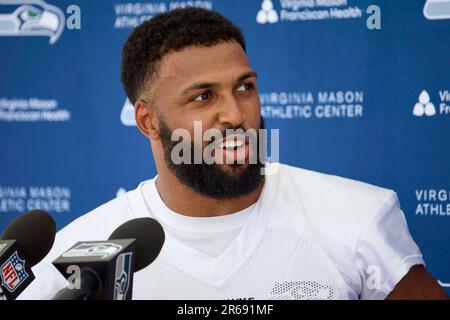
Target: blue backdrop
point(358, 91)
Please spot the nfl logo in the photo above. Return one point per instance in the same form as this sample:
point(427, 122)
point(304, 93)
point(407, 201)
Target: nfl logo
point(13, 272)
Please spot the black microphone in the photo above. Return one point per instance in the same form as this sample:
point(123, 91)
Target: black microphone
point(23, 243)
point(103, 270)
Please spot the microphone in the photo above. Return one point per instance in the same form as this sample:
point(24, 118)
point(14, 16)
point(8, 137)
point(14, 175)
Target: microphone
point(23, 243)
point(103, 270)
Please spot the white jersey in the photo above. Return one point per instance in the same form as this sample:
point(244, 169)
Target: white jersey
point(309, 236)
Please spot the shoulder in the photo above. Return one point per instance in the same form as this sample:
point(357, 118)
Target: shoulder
point(339, 207)
point(328, 190)
point(359, 225)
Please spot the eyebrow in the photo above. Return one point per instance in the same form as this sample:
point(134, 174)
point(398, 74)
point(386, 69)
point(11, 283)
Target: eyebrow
point(207, 85)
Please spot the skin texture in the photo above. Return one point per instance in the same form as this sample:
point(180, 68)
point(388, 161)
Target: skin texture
point(224, 99)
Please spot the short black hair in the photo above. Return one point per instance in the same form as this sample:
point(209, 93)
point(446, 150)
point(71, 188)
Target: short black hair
point(170, 32)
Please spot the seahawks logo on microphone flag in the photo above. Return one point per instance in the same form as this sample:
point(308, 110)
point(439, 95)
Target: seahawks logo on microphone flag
point(97, 249)
point(122, 276)
point(13, 272)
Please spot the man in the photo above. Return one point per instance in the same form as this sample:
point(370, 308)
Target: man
point(231, 232)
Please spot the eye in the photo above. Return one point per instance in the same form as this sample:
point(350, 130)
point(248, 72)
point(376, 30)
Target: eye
point(203, 96)
point(245, 87)
point(30, 13)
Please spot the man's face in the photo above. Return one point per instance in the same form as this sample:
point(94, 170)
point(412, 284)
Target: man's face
point(216, 86)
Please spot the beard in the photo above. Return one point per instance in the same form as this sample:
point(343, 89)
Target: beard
point(211, 180)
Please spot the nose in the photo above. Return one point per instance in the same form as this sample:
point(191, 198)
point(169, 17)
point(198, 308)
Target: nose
point(231, 113)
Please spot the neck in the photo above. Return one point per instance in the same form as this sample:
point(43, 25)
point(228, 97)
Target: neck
point(184, 200)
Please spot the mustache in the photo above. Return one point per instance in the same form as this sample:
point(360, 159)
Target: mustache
point(249, 134)
point(230, 130)
point(221, 134)
point(166, 132)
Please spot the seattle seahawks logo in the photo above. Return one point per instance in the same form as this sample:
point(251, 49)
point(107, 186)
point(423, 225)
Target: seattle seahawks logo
point(31, 18)
point(303, 290)
point(96, 249)
point(122, 276)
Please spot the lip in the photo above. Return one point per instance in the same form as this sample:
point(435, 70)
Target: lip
point(232, 156)
point(231, 137)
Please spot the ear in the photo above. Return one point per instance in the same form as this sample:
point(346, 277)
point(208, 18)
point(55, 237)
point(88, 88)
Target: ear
point(146, 119)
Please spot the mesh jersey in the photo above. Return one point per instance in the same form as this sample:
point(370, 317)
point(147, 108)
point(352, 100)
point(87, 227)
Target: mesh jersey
point(284, 265)
point(311, 236)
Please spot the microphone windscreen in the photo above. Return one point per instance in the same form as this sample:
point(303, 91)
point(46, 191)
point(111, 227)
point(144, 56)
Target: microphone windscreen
point(35, 232)
point(149, 236)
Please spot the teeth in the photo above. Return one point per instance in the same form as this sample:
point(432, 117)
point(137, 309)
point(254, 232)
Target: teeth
point(231, 144)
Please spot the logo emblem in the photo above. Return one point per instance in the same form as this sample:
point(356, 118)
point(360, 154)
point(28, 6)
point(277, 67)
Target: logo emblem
point(32, 18)
point(13, 272)
point(127, 114)
point(424, 106)
point(122, 276)
point(102, 250)
point(120, 192)
point(303, 290)
point(437, 9)
point(267, 14)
